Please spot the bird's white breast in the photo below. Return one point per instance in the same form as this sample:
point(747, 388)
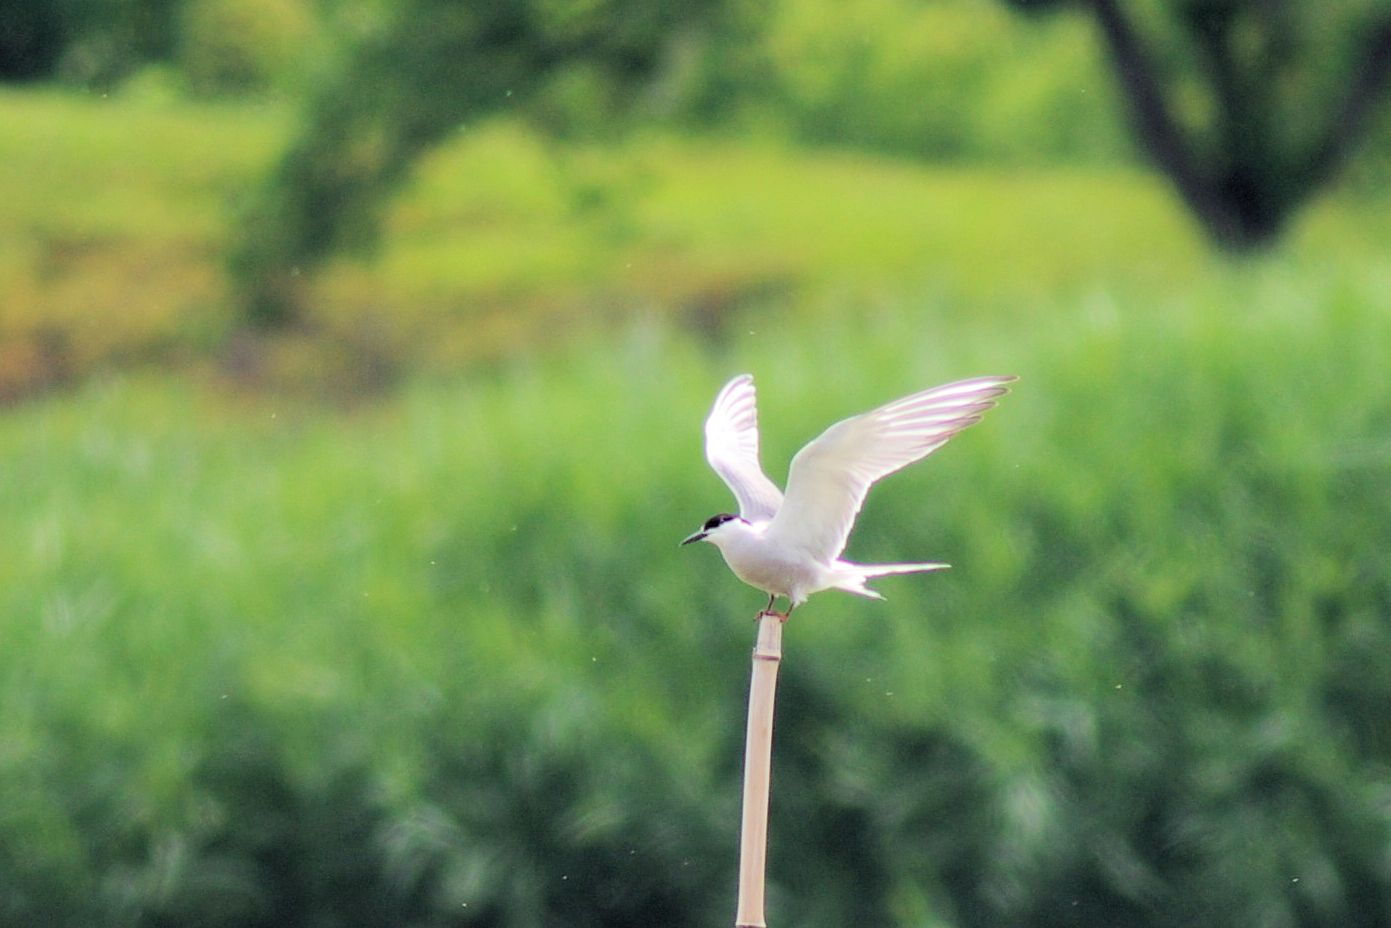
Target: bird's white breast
point(765, 566)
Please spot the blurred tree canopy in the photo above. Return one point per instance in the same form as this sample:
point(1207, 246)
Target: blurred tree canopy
point(414, 74)
point(1249, 106)
point(86, 40)
point(219, 47)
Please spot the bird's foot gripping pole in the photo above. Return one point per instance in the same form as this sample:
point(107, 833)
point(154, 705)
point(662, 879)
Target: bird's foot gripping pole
point(758, 751)
point(768, 610)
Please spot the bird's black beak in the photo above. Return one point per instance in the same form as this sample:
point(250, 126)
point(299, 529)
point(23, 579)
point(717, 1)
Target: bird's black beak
point(696, 537)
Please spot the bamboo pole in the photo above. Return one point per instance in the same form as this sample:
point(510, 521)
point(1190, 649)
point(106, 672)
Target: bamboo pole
point(758, 751)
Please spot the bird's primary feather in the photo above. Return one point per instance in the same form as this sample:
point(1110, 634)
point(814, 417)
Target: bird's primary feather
point(828, 479)
point(731, 447)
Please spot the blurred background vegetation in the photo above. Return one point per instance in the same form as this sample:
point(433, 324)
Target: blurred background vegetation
point(353, 356)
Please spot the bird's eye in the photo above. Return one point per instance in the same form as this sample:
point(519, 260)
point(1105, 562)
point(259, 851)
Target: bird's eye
point(715, 522)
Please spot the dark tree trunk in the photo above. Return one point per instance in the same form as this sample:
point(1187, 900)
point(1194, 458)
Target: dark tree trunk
point(1352, 119)
point(1244, 184)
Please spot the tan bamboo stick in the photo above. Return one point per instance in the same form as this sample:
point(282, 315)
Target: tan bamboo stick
point(758, 751)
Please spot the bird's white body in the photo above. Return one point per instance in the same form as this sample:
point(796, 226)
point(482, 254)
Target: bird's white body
point(765, 566)
point(791, 546)
point(779, 570)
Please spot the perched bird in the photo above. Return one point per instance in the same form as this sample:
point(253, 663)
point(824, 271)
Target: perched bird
point(790, 546)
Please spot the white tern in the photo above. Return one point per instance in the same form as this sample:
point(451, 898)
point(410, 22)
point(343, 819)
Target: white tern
point(790, 546)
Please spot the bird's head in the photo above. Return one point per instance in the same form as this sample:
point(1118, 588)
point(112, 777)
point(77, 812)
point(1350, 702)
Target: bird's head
point(715, 528)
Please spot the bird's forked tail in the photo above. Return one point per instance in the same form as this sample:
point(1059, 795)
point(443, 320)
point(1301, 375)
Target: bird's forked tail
point(853, 576)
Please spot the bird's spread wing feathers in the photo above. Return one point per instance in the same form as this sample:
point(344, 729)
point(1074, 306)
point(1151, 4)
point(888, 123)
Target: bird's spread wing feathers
point(731, 447)
point(829, 478)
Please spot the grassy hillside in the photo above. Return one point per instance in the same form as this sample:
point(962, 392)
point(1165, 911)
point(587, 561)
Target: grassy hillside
point(116, 210)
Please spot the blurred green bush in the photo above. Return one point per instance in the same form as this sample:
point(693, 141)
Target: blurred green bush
point(440, 662)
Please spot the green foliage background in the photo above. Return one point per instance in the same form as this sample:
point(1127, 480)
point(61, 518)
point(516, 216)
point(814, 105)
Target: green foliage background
point(438, 660)
point(381, 620)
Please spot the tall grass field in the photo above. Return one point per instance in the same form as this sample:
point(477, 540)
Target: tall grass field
point(434, 658)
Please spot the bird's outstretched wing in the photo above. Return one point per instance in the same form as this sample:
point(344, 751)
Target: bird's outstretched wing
point(731, 447)
point(829, 478)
